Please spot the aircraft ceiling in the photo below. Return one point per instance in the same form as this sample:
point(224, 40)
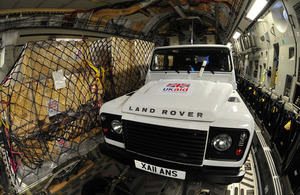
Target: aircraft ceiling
point(159, 18)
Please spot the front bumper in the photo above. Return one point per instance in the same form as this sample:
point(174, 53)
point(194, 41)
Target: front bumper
point(221, 175)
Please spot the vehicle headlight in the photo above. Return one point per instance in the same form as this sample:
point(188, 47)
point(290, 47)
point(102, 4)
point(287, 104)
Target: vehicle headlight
point(222, 142)
point(116, 126)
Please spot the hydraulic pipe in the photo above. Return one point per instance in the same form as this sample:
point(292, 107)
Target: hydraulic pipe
point(113, 13)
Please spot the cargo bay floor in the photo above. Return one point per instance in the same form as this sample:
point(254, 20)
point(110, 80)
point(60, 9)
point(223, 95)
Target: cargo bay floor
point(108, 176)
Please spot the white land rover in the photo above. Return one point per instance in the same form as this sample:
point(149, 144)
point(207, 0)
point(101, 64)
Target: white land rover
point(187, 121)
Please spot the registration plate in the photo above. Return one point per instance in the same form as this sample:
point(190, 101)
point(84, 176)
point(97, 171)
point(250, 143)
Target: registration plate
point(160, 170)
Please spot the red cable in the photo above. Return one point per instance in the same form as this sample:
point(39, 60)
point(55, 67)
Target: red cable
point(5, 79)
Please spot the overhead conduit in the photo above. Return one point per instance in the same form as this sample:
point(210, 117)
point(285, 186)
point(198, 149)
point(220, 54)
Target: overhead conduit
point(108, 14)
point(184, 4)
point(35, 10)
point(176, 6)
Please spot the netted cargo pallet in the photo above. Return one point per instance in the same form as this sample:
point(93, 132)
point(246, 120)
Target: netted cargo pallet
point(124, 64)
point(51, 98)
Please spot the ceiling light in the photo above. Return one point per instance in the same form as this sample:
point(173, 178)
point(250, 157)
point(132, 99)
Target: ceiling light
point(256, 8)
point(236, 35)
point(67, 39)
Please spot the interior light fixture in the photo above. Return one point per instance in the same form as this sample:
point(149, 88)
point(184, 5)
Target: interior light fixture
point(2, 57)
point(256, 8)
point(67, 39)
point(236, 35)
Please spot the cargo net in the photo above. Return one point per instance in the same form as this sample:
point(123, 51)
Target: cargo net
point(124, 64)
point(50, 100)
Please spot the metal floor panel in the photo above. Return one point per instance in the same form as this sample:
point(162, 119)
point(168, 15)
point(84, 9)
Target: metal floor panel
point(248, 186)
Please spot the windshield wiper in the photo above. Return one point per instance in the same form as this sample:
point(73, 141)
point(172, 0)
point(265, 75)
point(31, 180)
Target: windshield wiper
point(175, 68)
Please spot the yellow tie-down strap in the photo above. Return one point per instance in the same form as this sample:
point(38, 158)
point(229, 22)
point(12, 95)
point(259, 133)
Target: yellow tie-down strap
point(288, 126)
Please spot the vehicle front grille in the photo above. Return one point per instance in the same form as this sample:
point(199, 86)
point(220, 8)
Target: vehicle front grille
point(168, 143)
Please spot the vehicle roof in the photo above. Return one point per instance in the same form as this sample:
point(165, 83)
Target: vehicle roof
point(191, 46)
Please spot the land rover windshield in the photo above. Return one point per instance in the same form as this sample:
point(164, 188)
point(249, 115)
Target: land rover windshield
point(192, 59)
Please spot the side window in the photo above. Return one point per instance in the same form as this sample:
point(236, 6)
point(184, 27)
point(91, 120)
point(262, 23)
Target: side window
point(158, 62)
point(170, 60)
point(163, 62)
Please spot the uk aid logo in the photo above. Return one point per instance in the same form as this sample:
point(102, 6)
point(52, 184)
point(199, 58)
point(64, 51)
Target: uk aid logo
point(177, 87)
